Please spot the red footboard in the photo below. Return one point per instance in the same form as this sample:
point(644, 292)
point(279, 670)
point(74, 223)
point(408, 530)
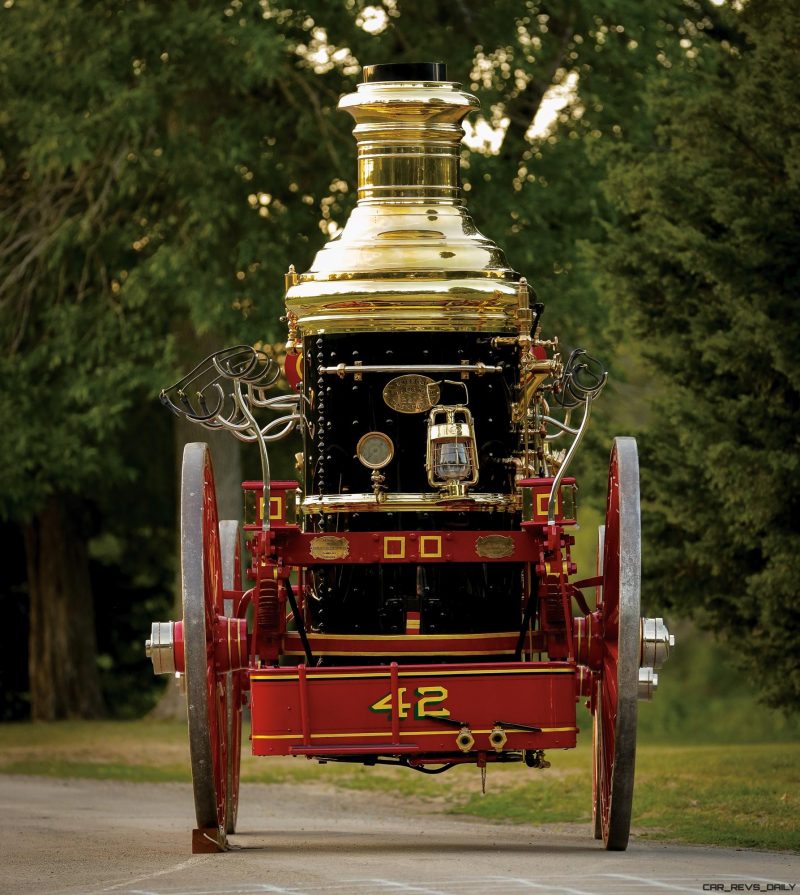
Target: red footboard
point(413, 709)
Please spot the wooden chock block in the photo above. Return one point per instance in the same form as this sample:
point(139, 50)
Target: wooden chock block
point(208, 840)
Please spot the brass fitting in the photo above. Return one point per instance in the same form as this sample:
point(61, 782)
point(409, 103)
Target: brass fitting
point(465, 740)
point(292, 340)
point(378, 487)
point(500, 341)
point(534, 758)
point(290, 279)
point(498, 738)
point(523, 316)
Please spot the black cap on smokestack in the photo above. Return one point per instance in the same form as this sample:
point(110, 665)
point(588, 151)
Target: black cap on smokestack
point(405, 71)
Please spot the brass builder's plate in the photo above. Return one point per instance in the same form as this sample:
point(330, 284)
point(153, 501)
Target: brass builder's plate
point(330, 547)
point(494, 546)
point(411, 393)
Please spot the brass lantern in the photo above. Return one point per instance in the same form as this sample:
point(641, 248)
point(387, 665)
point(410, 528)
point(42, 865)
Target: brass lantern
point(451, 458)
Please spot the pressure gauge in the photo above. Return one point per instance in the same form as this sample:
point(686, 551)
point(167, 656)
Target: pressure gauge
point(375, 450)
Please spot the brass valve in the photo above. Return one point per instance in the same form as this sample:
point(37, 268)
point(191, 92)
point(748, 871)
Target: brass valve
point(293, 342)
point(378, 486)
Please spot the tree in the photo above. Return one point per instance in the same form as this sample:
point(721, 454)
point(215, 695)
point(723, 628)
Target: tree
point(162, 164)
point(703, 258)
point(152, 174)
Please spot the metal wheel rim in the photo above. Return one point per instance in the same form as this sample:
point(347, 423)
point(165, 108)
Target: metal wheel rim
point(621, 613)
point(201, 587)
point(230, 552)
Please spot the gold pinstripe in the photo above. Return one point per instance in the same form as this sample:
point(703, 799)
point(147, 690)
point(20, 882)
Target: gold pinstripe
point(392, 638)
point(403, 733)
point(410, 652)
point(386, 674)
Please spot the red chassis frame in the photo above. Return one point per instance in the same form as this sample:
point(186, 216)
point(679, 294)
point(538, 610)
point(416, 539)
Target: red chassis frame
point(430, 713)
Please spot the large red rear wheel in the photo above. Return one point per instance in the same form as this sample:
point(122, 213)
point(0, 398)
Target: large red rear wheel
point(201, 585)
point(231, 554)
point(620, 611)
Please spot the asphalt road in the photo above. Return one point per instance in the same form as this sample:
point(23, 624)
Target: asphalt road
point(80, 836)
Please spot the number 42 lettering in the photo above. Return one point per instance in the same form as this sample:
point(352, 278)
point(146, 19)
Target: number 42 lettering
point(426, 702)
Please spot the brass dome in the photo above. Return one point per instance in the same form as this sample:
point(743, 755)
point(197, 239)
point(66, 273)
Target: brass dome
point(410, 256)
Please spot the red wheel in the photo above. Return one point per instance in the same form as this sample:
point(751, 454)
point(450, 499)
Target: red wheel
point(231, 553)
point(616, 697)
point(201, 584)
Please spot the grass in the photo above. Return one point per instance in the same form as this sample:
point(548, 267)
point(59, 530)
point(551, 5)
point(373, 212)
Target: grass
point(744, 795)
point(697, 794)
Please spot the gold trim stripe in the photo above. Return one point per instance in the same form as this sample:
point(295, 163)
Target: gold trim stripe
point(403, 733)
point(400, 652)
point(386, 674)
point(391, 638)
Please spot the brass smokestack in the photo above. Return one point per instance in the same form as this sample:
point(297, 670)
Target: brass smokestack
point(410, 257)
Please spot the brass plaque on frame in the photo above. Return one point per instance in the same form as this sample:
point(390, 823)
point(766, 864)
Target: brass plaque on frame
point(330, 547)
point(411, 393)
point(494, 546)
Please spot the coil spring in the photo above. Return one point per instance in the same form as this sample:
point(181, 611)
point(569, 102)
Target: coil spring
point(269, 617)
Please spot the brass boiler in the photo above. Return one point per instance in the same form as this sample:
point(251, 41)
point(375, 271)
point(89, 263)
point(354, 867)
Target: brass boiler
point(408, 323)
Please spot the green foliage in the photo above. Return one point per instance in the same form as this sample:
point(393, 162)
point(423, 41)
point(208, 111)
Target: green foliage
point(703, 259)
point(703, 698)
point(155, 183)
point(154, 174)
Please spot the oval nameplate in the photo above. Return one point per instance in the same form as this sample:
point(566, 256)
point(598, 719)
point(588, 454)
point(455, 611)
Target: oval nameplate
point(330, 547)
point(411, 393)
point(494, 546)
